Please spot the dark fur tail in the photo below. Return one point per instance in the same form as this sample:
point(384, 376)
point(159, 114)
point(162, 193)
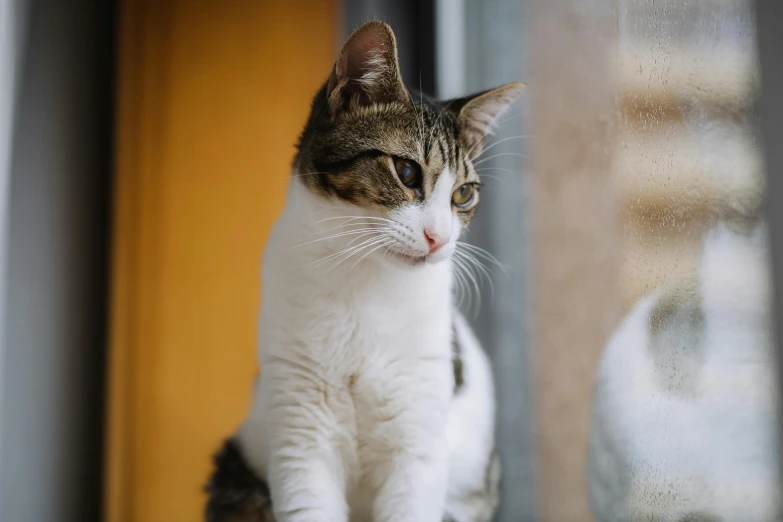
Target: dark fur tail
point(236, 493)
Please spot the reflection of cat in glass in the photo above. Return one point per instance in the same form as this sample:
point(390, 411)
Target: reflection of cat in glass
point(684, 421)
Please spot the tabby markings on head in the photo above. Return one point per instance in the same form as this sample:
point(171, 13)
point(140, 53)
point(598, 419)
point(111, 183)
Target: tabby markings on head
point(366, 131)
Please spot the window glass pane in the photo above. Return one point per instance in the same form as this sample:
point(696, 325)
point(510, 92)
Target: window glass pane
point(683, 421)
point(655, 389)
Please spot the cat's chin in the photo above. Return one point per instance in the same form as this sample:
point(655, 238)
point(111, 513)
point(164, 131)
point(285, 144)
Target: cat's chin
point(406, 260)
point(399, 259)
point(396, 258)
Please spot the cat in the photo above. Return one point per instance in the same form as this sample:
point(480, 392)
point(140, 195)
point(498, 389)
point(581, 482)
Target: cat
point(685, 405)
point(375, 400)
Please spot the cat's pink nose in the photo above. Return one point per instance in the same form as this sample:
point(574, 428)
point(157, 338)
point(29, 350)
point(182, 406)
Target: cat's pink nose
point(434, 240)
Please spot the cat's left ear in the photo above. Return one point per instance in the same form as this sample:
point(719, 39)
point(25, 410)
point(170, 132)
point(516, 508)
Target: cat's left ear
point(479, 114)
point(367, 71)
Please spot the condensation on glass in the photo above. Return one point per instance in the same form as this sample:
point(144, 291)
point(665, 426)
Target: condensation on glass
point(684, 409)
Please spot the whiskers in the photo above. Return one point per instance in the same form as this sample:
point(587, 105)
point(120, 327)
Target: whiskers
point(359, 247)
point(471, 265)
point(364, 235)
point(483, 158)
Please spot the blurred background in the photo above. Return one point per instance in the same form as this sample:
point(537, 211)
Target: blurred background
point(145, 148)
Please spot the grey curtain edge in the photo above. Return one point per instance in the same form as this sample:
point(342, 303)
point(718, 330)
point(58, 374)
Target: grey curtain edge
point(769, 23)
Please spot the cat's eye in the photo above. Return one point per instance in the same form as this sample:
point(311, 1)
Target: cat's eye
point(408, 172)
point(464, 195)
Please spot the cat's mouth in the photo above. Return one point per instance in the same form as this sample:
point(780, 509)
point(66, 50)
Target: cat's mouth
point(405, 259)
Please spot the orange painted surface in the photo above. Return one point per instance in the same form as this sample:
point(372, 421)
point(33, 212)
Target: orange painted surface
point(211, 97)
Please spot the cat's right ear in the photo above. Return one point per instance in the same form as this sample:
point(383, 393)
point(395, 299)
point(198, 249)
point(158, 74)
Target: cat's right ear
point(367, 71)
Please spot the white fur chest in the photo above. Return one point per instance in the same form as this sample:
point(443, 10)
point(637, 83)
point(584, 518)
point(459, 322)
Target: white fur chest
point(366, 345)
point(350, 315)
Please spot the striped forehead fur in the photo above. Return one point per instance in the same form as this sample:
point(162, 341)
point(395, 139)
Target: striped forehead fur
point(348, 159)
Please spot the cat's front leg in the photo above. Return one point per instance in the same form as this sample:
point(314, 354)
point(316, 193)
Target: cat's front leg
point(415, 488)
point(407, 445)
point(305, 471)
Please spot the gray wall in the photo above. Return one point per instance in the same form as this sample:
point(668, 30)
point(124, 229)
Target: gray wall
point(495, 52)
point(53, 361)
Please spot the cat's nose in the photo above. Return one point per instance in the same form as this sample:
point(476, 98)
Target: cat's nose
point(434, 240)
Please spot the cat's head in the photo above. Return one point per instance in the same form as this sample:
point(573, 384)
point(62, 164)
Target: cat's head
point(400, 162)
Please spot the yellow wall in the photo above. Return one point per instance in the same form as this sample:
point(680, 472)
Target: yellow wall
point(211, 97)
